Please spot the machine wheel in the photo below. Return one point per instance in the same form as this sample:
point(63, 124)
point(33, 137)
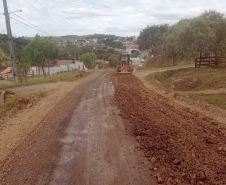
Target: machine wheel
point(117, 68)
point(131, 69)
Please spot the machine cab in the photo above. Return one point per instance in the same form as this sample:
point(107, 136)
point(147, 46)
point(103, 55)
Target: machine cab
point(125, 66)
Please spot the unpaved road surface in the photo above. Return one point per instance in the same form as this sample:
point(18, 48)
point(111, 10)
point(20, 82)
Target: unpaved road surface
point(83, 141)
point(185, 146)
point(88, 138)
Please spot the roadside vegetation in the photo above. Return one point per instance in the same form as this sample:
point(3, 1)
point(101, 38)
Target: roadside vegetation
point(204, 84)
point(65, 76)
point(218, 99)
point(88, 56)
point(193, 79)
point(19, 102)
point(4, 59)
point(182, 42)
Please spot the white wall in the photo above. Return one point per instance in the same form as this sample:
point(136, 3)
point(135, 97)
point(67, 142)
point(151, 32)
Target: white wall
point(56, 69)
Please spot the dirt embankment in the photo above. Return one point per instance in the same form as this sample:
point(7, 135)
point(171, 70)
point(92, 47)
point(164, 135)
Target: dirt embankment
point(191, 79)
point(185, 146)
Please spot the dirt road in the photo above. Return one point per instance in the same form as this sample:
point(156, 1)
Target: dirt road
point(82, 141)
point(88, 138)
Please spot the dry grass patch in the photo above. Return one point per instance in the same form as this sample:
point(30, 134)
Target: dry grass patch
point(65, 76)
point(214, 99)
point(192, 79)
point(15, 103)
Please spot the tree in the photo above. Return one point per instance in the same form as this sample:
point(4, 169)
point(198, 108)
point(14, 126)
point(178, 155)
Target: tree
point(70, 52)
point(24, 67)
point(151, 37)
point(88, 59)
point(106, 56)
point(103, 65)
point(37, 35)
point(42, 51)
point(113, 60)
point(134, 53)
point(189, 38)
point(217, 22)
point(4, 59)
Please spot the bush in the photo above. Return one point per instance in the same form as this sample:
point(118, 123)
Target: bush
point(103, 65)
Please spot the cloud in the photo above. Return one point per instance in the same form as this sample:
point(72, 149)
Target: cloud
point(119, 17)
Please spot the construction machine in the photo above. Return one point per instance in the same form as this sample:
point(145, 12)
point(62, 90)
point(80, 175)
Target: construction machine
point(125, 65)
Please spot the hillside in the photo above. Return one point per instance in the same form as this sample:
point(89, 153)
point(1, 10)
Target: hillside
point(80, 37)
point(4, 60)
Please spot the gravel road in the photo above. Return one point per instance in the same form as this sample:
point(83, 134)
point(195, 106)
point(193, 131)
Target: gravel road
point(83, 141)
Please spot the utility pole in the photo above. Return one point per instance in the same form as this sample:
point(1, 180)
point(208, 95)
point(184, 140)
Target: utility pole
point(92, 45)
point(10, 42)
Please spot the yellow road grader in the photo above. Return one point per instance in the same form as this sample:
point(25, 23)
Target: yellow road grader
point(125, 65)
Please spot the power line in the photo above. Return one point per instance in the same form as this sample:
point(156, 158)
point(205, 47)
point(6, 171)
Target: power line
point(58, 8)
point(54, 13)
point(28, 25)
point(24, 26)
point(113, 10)
point(82, 3)
point(44, 14)
point(96, 5)
point(32, 24)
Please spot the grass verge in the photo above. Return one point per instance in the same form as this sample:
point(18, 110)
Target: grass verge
point(20, 99)
point(164, 77)
point(191, 79)
point(143, 68)
point(66, 76)
point(214, 99)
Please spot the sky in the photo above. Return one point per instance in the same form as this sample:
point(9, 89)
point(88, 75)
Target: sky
point(83, 17)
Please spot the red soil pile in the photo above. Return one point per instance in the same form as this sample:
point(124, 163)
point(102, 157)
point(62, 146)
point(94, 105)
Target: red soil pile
point(185, 146)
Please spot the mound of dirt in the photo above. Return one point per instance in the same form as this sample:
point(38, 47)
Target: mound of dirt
point(21, 104)
point(187, 83)
point(184, 146)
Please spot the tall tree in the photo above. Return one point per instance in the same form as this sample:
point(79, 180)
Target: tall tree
point(189, 38)
point(88, 59)
point(113, 60)
point(151, 37)
point(41, 51)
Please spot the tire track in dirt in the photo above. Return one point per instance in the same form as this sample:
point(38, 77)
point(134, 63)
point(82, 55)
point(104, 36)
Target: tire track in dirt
point(97, 150)
point(32, 162)
point(185, 146)
point(82, 141)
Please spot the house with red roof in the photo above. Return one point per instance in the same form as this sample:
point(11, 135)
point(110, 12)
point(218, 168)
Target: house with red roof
point(7, 73)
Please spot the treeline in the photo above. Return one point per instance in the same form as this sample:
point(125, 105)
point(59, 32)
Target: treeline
point(88, 54)
point(111, 43)
point(75, 52)
point(204, 35)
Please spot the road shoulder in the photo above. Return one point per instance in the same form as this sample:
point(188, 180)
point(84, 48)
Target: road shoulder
point(14, 129)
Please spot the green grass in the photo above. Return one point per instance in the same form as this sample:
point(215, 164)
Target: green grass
point(11, 101)
point(164, 77)
point(215, 99)
point(165, 68)
point(66, 76)
point(192, 79)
